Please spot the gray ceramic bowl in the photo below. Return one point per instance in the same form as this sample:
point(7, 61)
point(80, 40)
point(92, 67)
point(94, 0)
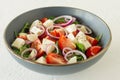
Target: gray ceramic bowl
point(93, 21)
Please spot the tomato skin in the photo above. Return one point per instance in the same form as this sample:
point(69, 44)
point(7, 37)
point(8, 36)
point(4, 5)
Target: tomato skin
point(92, 40)
point(93, 51)
point(42, 36)
point(64, 42)
point(44, 19)
point(52, 39)
point(23, 37)
point(36, 44)
point(53, 58)
point(75, 32)
point(54, 33)
point(40, 53)
point(57, 32)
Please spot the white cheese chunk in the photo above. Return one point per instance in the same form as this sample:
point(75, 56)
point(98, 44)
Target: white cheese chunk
point(32, 37)
point(22, 34)
point(41, 60)
point(81, 38)
point(36, 30)
point(45, 44)
point(36, 23)
point(18, 43)
point(80, 35)
point(72, 60)
point(83, 29)
point(32, 54)
point(50, 49)
point(71, 37)
point(48, 23)
point(85, 43)
point(71, 28)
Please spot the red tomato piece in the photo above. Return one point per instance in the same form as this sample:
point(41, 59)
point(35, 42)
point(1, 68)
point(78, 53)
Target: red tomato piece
point(36, 44)
point(75, 32)
point(52, 39)
point(53, 58)
point(57, 32)
point(60, 32)
point(42, 36)
point(44, 19)
point(54, 33)
point(40, 53)
point(92, 40)
point(93, 51)
point(23, 37)
point(65, 42)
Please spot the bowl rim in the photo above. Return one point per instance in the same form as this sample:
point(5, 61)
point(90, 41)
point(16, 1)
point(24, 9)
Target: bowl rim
point(80, 62)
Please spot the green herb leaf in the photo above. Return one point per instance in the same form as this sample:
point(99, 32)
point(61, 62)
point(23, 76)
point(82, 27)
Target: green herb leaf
point(76, 22)
point(99, 37)
point(81, 47)
point(24, 47)
point(15, 33)
point(17, 51)
point(51, 17)
point(25, 28)
point(26, 55)
point(79, 58)
point(61, 20)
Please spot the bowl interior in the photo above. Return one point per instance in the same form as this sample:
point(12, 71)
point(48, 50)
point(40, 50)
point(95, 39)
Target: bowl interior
point(85, 17)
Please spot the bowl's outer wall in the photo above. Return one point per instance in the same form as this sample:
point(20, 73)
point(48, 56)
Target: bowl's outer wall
point(61, 70)
point(94, 22)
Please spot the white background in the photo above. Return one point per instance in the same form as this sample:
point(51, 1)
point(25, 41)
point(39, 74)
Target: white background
point(108, 68)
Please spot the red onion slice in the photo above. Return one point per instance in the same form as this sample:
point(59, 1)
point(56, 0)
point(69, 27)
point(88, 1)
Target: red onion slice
point(89, 31)
point(48, 33)
point(76, 52)
point(67, 17)
point(41, 28)
point(73, 19)
point(29, 57)
point(64, 49)
point(53, 46)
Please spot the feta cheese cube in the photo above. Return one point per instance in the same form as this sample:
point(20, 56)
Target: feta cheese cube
point(50, 49)
point(22, 34)
point(48, 23)
point(81, 38)
point(32, 37)
point(36, 23)
point(85, 43)
point(36, 30)
point(72, 60)
point(18, 43)
point(83, 29)
point(45, 43)
point(71, 28)
point(41, 60)
point(71, 37)
point(80, 35)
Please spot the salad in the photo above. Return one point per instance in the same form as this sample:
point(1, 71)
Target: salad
point(56, 40)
